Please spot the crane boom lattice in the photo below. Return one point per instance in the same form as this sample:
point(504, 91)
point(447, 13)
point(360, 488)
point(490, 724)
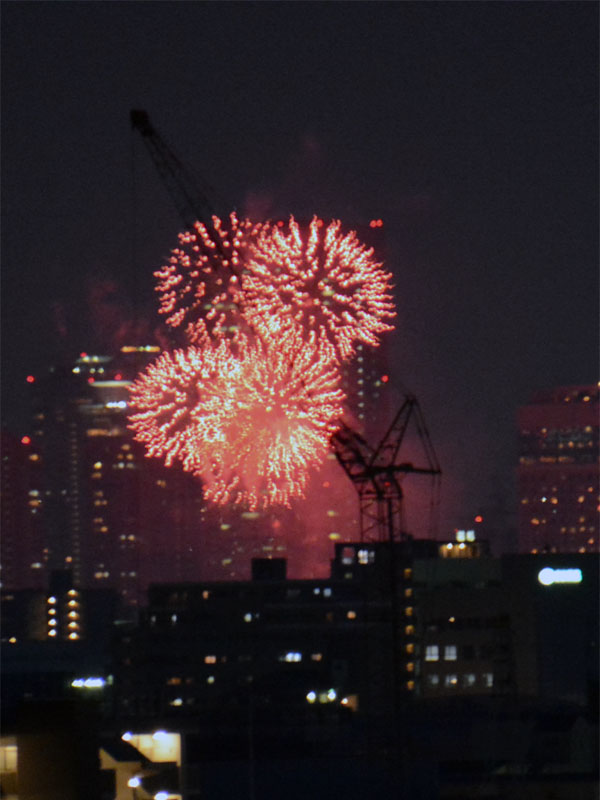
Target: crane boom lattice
point(190, 198)
point(377, 473)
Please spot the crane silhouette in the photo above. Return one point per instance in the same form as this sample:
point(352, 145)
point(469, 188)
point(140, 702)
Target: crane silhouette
point(377, 473)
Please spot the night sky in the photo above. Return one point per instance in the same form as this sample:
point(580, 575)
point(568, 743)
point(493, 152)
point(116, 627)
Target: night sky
point(469, 128)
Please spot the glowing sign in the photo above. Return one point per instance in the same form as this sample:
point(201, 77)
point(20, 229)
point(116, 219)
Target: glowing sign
point(88, 683)
point(548, 576)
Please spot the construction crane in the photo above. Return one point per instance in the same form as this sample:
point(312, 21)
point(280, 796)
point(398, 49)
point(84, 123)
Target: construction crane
point(190, 197)
point(377, 473)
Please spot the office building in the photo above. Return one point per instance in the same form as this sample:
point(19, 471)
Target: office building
point(22, 546)
point(427, 666)
point(102, 510)
point(558, 471)
point(386, 624)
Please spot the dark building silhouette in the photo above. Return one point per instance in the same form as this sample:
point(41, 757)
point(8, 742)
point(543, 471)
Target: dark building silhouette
point(424, 667)
point(387, 624)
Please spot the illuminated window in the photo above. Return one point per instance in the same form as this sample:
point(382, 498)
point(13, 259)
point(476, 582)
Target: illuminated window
point(410, 685)
point(432, 652)
point(409, 630)
point(410, 667)
point(210, 659)
point(468, 680)
point(408, 592)
point(410, 648)
point(292, 657)
point(408, 611)
point(451, 680)
point(316, 656)
point(351, 614)
point(450, 653)
point(433, 681)
point(488, 679)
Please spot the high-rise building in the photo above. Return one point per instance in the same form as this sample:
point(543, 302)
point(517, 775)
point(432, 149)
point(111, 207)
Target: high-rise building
point(22, 543)
point(113, 517)
point(558, 472)
point(366, 378)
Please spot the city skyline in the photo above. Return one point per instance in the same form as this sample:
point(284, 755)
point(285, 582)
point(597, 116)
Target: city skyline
point(469, 129)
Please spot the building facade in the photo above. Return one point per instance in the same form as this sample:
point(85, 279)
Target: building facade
point(22, 544)
point(387, 626)
point(558, 471)
point(89, 501)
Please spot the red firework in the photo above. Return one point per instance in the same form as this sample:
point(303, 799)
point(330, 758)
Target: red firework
point(200, 286)
point(325, 281)
point(249, 419)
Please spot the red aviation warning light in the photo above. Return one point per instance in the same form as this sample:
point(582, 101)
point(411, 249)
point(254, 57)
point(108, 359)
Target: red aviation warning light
point(26, 440)
point(30, 379)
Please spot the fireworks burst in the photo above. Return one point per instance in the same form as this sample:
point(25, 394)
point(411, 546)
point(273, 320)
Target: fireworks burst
point(326, 282)
point(249, 419)
point(199, 288)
